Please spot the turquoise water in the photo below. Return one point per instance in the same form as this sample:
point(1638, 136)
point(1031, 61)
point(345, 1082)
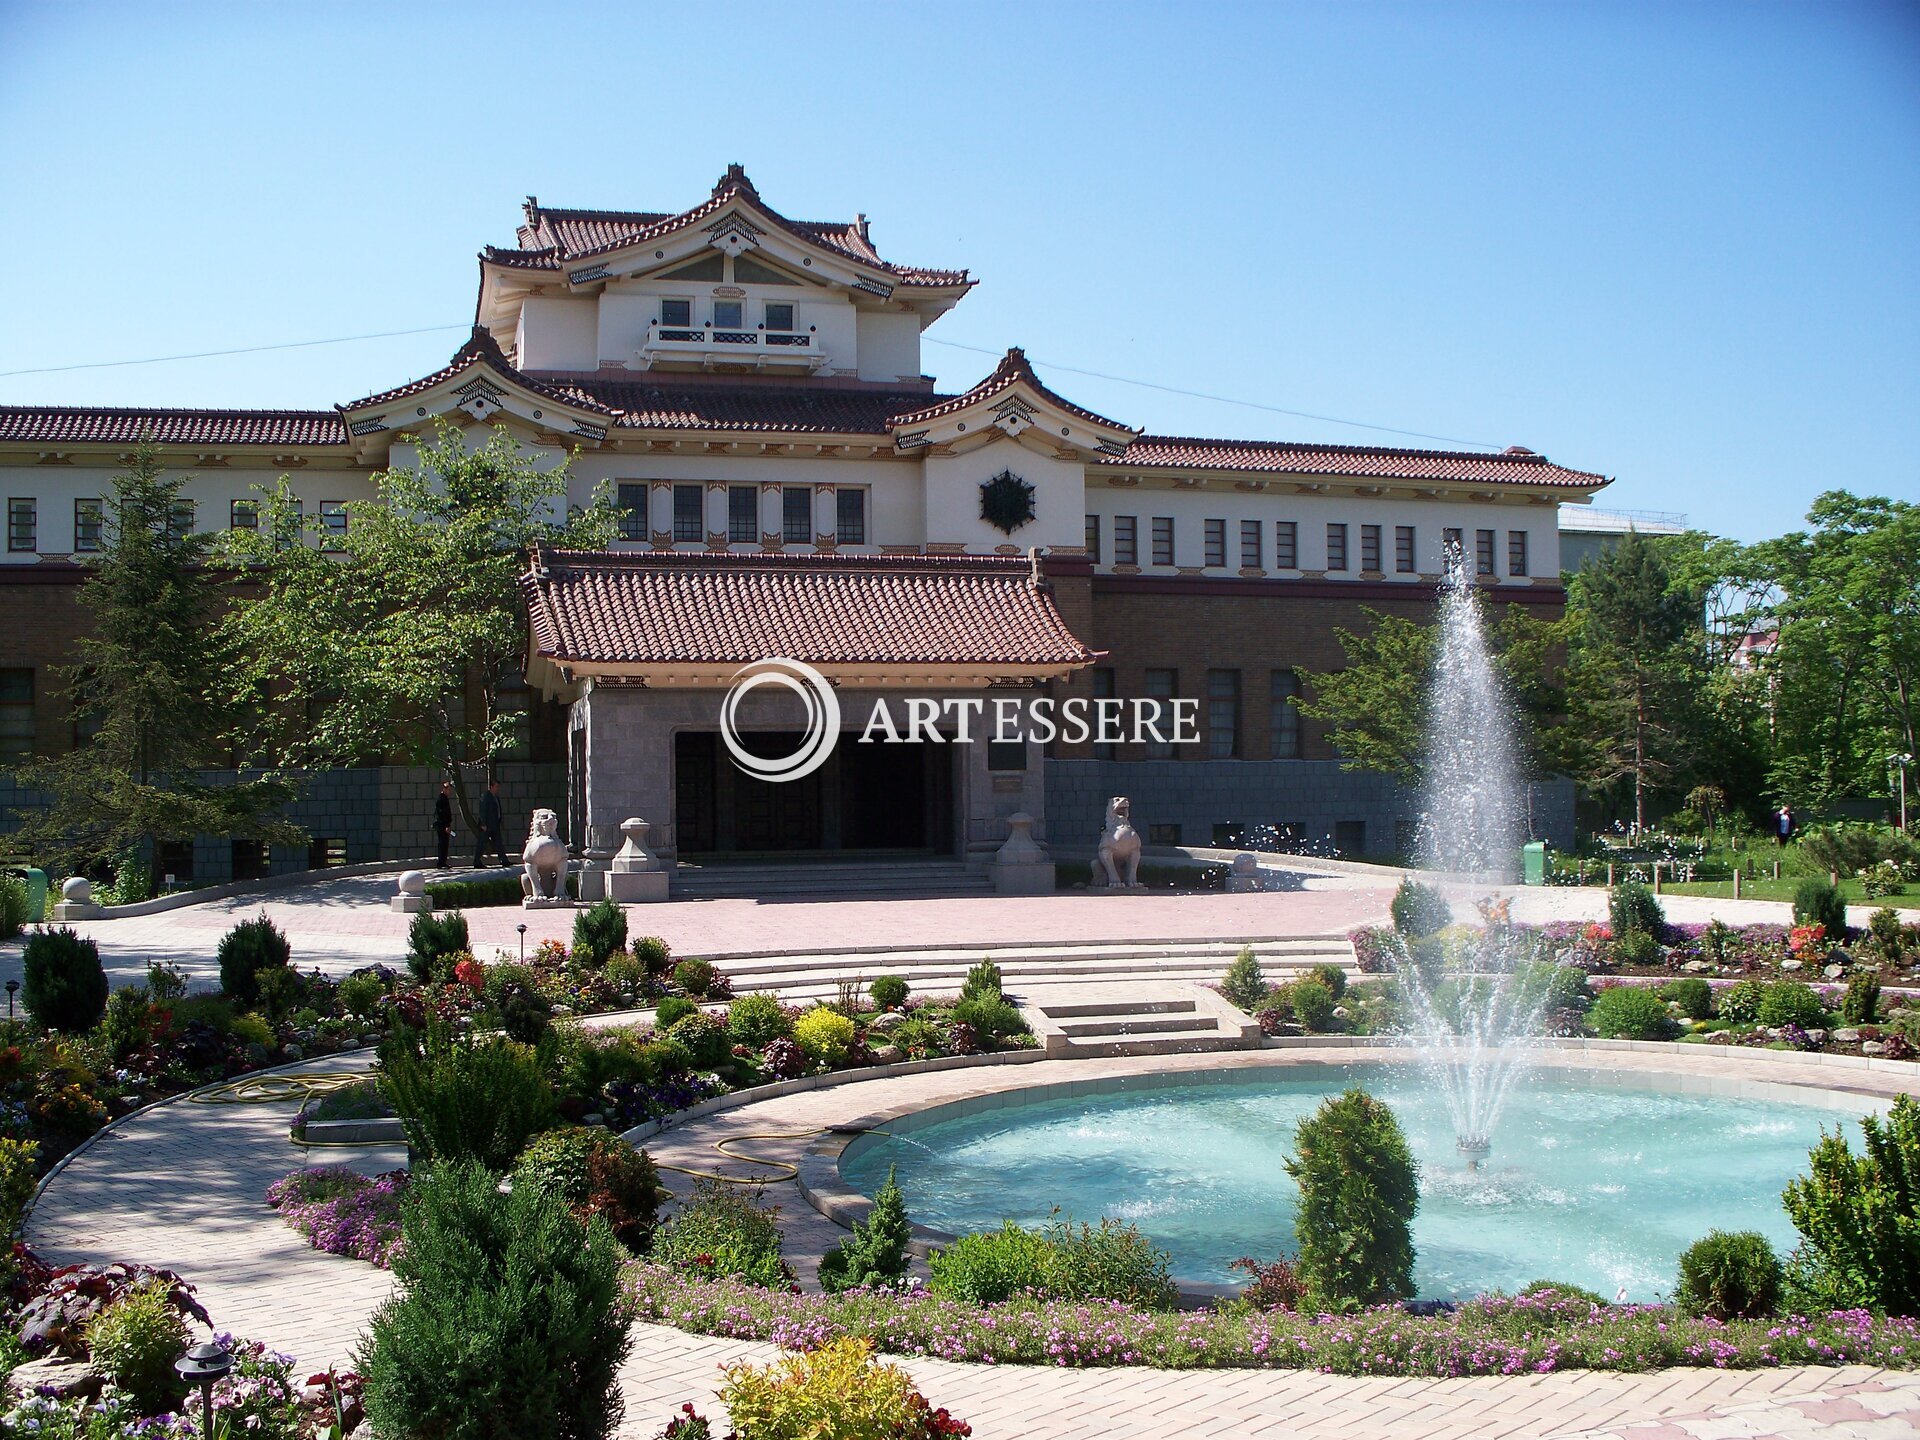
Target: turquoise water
point(1593, 1184)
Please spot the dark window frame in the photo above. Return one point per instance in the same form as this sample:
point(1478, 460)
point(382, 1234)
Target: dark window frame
point(1163, 541)
point(1404, 553)
point(632, 498)
point(23, 524)
point(743, 521)
point(1286, 544)
point(1283, 717)
point(1092, 538)
point(796, 522)
point(1370, 556)
point(1253, 545)
point(1223, 714)
point(1517, 553)
point(1336, 545)
point(85, 521)
point(1126, 540)
point(850, 519)
point(1216, 544)
point(689, 528)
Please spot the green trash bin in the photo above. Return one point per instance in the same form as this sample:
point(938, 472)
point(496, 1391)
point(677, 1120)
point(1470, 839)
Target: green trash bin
point(1533, 862)
point(36, 891)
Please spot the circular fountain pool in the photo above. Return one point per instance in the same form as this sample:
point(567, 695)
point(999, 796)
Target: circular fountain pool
point(1594, 1178)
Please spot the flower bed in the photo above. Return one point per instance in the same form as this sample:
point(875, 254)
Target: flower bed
point(342, 1211)
point(1496, 1335)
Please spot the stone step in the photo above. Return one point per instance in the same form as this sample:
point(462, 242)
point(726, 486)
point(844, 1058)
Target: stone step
point(1308, 950)
point(1146, 1025)
point(934, 981)
point(1148, 1017)
point(1100, 1009)
point(1108, 1049)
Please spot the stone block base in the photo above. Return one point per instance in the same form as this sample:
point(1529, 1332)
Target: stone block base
point(75, 910)
point(1243, 884)
point(637, 887)
point(1034, 878)
point(410, 904)
point(546, 902)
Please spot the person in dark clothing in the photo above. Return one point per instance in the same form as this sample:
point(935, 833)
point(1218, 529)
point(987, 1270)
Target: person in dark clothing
point(1783, 825)
point(443, 822)
point(491, 819)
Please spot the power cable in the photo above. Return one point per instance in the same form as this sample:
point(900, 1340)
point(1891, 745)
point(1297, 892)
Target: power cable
point(244, 350)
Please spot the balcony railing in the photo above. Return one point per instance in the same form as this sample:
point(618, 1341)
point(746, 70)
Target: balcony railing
point(709, 345)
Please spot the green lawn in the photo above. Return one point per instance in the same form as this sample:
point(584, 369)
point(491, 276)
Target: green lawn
point(1783, 888)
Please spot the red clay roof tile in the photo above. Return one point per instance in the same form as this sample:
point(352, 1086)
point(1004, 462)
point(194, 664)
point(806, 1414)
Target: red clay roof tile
point(73, 424)
point(1184, 452)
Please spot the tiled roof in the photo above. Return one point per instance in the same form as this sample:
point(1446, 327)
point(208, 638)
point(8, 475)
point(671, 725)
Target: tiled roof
point(1012, 369)
point(72, 424)
point(1517, 466)
point(671, 608)
point(481, 347)
point(813, 410)
point(553, 239)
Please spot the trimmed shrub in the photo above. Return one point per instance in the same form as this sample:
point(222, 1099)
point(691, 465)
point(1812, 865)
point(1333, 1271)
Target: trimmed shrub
point(1693, 995)
point(889, 992)
point(135, 1341)
point(467, 1098)
point(1331, 976)
point(1244, 984)
point(1420, 910)
point(1549, 1289)
point(1272, 1286)
point(720, 1231)
point(1633, 908)
point(597, 1173)
point(1888, 934)
point(508, 1320)
point(654, 953)
point(1637, 947)
point(1879, 881)
point(65, 987)
point(836, 1392)
point(1859, 1218)
point(699, 979)
point(825, 1034)
point(245, 951)
point(1629, 1012)
point(755, 1019)
point(514, 998)
point(1358, 1193)
point(360, 994)
point(1111, 1261)
point(19, 1177)
point(1789, 1002)
point(1862, 1003)
point(433, 939)
point(1729, 1276)
point(987, 1268)
point(672, 1010)
point(1740, 1001)
point(1311, 1003)
point(876, 1252)
point(991, 1014)
point(1817, 902)
point(704, 1036)
point(492, 893)
point(599, 933)
point(13, 906)
point(980, 979)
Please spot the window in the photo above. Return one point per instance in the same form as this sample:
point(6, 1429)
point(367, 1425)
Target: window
point(1516, 552)
point(1216, 543)
point(1103, 689)
point(23, 524)
point(850, 509)
point(1005, 755)
point(87, 518)
point(1286, 545)
point(1126, 544)
point(241, 515)
point(180, 518)
point(1223, 714)
point(1452, 542)
point(1250, 545)
point(251, 859)
point(1483, 552)
point(1336, 547)
point(1163, 834)
point(796, 515)
point(633, 509)
point(176, 862)
point(1163, 540)
point(333, 523)
point(1350, 837)
point(326, 853)
point(16, 714)
point(1283, 720)
point(743, 514)
point(1161, 685)
point(689, 514)
point(1403, 549)
point(779, 315)
point(1093, 538)
point(676, 313)
point(1370, 548)
point(726, 315)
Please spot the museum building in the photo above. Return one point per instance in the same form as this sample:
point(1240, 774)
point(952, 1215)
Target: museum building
point(749, 390)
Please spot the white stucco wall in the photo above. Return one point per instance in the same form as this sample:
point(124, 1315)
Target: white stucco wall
point(953, 497)
point(559, 333)
point(889, 345)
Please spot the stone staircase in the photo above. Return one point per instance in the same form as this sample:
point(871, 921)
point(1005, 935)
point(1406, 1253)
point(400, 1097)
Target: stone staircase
point(828, 879)
point(1098, 1021)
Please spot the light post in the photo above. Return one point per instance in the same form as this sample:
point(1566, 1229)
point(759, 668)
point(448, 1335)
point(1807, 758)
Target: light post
point(201, 1366)
point(522, 928)
point(13, 988)
point(1900, 763)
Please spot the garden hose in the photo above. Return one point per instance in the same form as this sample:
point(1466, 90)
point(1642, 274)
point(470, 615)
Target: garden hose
point(790, 1169)
point(283, 1086)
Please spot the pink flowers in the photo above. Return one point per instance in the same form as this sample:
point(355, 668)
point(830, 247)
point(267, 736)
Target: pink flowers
point(342, 1211)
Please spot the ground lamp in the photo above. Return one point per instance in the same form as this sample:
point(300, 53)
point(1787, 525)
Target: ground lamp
point(1900, 763)
point(523, 941)
point(13, 987)
point(201, 1366)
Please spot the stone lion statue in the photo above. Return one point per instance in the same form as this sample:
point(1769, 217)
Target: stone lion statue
point(1119, 862)
point(545, 858)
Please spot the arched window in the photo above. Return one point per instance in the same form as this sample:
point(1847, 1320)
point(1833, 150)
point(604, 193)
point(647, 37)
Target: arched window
point(1283, 719)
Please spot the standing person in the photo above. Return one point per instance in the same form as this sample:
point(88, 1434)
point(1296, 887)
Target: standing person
point(492, 817)
point(1783, 825)
point(443, 822)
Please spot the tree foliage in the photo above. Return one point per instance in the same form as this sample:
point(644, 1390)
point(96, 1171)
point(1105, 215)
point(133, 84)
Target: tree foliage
point(393, 639)
point(147, 682)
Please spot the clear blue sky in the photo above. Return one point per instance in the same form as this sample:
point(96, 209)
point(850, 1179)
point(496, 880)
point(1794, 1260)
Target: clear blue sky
point(1679, 244)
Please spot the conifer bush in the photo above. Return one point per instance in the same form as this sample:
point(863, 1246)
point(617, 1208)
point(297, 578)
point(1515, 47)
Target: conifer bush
point(1358, 1194)
point(1817, 902)
point(1420, 910)
point(1692, 994)
point(599, 933)
point(247, 951)
point(757, 1019)
point(466, 1098)
point(1312, 1004)
point(597, 1173)
point(981, 979)
point(1859, 1218)
point(1729, 1276)
point(508, 1318)
point(826, 1035)
point(432, 941)
point(876, 1252)
point(1791, 1002)
point(1630, 1012)
point(889, 992)
point(1244, 984)
point(1633, 909)
point(1862, 1003)
point(65, 986)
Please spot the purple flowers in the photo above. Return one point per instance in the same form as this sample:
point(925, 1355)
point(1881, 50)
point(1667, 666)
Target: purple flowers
point(342, 1211)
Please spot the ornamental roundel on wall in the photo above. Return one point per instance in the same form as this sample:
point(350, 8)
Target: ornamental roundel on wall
point(1006, 502)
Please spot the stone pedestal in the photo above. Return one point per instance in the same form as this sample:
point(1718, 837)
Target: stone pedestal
point(412, 897)
point(1243, 878)
point(636, 875)
point(591, 880)
point(76, 901)
point(1021, 866)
